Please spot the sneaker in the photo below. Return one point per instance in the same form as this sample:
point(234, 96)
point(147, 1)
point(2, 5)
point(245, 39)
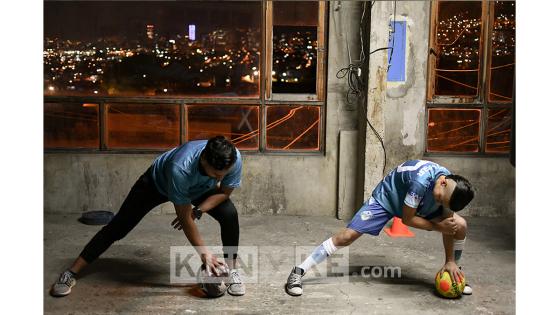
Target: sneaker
point(293, 285)
point(467, 290)
point(236, 286)
point(63, 286)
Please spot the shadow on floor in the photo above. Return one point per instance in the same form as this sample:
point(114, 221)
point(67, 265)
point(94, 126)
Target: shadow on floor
point(140, 274)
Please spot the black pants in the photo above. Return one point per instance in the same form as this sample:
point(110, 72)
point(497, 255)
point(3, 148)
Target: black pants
point(142, 198)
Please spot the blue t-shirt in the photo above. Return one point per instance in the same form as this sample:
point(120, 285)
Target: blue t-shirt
point(411, 183)
point(177, 175)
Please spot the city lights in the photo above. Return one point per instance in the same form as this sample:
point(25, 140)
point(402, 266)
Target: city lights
point(81, 66)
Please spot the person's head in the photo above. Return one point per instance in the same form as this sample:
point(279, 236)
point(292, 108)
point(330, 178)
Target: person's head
point(217, 157)
point(453, 192)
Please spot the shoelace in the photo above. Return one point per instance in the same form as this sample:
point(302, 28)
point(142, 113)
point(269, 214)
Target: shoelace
point(65, 278)
point(235, 277)
point(294, 280)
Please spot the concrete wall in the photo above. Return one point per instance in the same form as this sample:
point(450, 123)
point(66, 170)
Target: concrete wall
point(272, 184)
point(397, 110)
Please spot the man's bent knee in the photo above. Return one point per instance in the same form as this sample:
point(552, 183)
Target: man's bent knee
point(345, 237)
point(462, 227)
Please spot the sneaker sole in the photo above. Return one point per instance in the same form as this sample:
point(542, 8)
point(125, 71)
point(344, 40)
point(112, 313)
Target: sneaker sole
point(63, 294)
point(289, 293)
point(52, 293)
point(235, 293)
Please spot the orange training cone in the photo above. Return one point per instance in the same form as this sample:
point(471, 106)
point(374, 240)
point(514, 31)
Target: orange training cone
point(398, 229)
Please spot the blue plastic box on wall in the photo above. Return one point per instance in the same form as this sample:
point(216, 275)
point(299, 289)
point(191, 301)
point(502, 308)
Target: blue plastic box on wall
point(397, 61)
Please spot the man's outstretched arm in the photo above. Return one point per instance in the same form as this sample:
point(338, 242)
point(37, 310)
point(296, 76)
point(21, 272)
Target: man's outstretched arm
point(445, 226)
point(411, 219)
point(191, 232)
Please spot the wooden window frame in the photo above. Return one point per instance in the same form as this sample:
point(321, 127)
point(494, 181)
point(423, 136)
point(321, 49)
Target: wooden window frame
point(264, 99)
point(466, 102)
point(321, 58)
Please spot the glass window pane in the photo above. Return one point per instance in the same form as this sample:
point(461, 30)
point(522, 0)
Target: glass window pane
point(152, 48)
point(294, 64)
point(293, 127)
point(142, 126)
point(239, 123)
point(498, 130)
point(457, 42)
point(502, 63)
point(453, 130)
point(71, 125)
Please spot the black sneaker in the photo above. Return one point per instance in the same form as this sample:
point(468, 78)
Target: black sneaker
point(293, 285)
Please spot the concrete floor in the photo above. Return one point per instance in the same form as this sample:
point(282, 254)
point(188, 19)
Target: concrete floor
point(133, 275)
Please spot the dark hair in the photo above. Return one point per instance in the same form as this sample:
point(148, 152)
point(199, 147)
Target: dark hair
point(220, 153)
point(462, 194)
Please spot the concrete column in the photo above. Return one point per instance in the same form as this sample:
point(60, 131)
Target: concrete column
point(377, 84)
point(344, 41)
point(347, 173)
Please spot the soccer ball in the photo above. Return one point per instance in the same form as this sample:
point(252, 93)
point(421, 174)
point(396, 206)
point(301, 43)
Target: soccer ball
point(445, 286)
point(213, 285)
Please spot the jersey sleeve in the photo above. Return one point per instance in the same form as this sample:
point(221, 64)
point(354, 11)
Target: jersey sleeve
point(178, 185)
point(415, 194)
point(233, 178)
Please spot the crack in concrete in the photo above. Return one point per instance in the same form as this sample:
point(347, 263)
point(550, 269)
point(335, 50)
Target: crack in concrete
point(348, 301)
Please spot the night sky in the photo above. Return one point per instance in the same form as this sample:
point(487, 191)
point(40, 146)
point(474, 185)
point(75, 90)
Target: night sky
point(88, 20)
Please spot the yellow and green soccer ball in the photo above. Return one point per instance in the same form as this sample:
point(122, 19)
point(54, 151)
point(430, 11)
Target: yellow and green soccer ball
point(446, 288)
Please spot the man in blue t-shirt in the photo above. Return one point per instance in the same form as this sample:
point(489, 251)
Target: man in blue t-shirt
point(197, 177)
point(425, 195)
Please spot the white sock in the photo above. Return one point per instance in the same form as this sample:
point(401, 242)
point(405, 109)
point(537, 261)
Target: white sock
point(320, 253)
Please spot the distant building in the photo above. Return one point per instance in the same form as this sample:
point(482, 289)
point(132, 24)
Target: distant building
point(150, 31)
point(192, 32)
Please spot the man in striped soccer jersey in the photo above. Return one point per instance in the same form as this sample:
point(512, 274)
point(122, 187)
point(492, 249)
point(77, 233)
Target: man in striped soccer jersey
point(425, 195)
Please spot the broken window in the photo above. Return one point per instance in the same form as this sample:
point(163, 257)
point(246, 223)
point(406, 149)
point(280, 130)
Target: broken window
point(295, 127)
point(457, 45)
point(160, 73)
point(453, 130)
point(240, 123)
point(472, 49)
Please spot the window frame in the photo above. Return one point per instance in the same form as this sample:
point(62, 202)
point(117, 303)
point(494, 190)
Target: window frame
point(321, 58)
point(260, 100)
point(464, 102)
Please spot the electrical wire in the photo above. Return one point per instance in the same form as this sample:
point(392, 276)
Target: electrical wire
point(356, 86)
